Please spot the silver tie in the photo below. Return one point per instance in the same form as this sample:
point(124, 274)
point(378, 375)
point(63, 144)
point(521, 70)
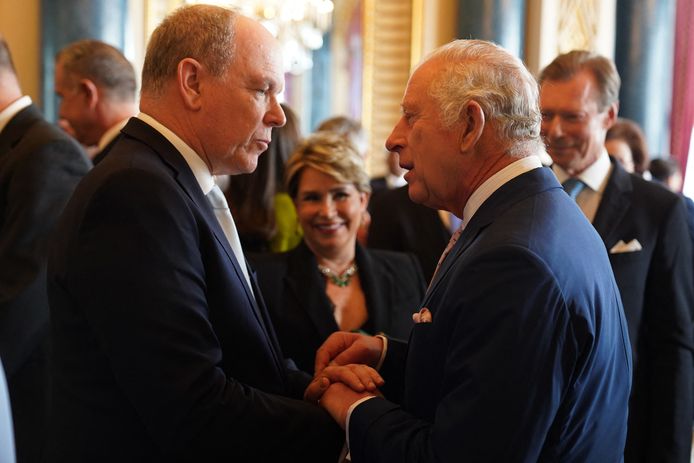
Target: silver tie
point(221, 210)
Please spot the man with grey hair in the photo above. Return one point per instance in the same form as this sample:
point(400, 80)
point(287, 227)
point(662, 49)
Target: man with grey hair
point(644, 229)
point(520, 351)
point(97, 89)
point(39, 169)
point(163, 348)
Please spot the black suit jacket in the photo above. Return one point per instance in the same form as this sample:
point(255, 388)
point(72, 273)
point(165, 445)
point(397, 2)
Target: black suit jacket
point(399, 224)
point(101, 155)
point(162, 352)
point(301, 311)
point(656, 288)
point(39, 168)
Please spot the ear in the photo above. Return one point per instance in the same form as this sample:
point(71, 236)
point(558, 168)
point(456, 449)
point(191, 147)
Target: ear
point(472, 122)
point(90, 92)
point(188, 80)
point(611, 115)
point(364, 199)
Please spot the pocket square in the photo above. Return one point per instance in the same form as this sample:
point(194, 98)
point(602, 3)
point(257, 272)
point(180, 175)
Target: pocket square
point(423, 316)
point(621, 246)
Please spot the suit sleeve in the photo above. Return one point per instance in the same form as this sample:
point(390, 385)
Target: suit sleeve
point(494, 347)
point(150, 316)
point(668, 306)
point(44, 176)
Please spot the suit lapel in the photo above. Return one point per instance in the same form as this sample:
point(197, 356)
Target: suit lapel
point(614, 204)
point(185, 178)
point(301, 274)
point(528, 184)
point(374, 282)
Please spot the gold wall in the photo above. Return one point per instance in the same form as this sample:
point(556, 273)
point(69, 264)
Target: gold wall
point(19, 24)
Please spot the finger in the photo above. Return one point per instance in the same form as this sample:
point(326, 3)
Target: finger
point(316, 389)
point(416, 317)
point(369, 377)
point(334, 345)
point(358, 377)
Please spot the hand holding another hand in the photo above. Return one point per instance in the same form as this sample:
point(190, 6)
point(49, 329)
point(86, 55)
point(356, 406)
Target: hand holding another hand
point(342, 348)
point(359, 378)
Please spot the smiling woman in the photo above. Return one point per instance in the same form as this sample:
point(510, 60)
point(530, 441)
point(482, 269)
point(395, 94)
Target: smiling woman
point(329, 282)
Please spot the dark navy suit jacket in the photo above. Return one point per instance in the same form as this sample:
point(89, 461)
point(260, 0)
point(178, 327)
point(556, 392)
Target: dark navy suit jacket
point(527, 358)
point(162, 353)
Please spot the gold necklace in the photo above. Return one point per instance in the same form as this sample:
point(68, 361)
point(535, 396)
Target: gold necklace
point(343, 278)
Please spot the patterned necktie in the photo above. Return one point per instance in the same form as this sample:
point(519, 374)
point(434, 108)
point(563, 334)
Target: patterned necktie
point(449, 246)
point(573, 187)
point(221, 210)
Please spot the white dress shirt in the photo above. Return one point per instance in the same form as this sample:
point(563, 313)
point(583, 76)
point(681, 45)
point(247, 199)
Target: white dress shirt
point(12, 109)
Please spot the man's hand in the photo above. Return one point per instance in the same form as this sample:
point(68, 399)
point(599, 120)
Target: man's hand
point(337, 400)
point(342, 348)
point(359, 378)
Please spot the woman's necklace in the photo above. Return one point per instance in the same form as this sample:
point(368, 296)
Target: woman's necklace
point(342, 279)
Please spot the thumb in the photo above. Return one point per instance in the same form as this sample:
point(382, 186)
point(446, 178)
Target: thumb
point(316, 389)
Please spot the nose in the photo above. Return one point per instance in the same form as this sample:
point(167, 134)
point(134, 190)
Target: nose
point(275, 116)
point(552, 127)
point(327, 208)
point(396, 140)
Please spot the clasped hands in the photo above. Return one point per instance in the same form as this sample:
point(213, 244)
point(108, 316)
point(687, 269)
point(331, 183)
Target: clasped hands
point(344, 373)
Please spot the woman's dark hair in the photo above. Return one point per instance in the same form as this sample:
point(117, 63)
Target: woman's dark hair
point(252, 196)
point(629, 131)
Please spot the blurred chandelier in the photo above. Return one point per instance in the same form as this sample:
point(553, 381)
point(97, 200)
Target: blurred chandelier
point(299, 25)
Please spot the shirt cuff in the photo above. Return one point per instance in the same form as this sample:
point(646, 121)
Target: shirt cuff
point(382, 358)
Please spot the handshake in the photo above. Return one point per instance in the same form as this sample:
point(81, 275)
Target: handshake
point(345, 370)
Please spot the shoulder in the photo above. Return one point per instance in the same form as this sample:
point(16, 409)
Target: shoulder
point(393, 260)
point(270, 267)
point(48, 144)
point(399, 267)
point(644, 194)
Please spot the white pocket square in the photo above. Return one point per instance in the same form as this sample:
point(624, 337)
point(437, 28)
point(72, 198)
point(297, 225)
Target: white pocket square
point(621, 246)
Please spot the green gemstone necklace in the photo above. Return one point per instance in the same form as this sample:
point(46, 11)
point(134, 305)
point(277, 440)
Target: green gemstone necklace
point(342, 279)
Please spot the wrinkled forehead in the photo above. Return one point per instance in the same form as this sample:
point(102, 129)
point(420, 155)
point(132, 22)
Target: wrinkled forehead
point(420, 81)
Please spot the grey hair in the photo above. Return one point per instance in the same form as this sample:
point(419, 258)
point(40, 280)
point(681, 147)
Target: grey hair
point(202, 32)
point(102, 63)
point(481, 71)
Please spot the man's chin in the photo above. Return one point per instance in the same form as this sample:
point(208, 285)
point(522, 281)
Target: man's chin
point(243, 164)
point(416, 195)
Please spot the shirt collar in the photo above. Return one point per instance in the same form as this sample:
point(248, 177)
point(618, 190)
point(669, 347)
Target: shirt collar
point(111, 133)
point(593, 176)
point(493, 183)
point(10, 111)
point(197, 165)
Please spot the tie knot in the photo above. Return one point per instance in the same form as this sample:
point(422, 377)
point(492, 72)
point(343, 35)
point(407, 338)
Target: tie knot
point(573, 187)
point(217, 199)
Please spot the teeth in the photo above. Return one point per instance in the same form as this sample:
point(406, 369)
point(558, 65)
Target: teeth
point(334, 226)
